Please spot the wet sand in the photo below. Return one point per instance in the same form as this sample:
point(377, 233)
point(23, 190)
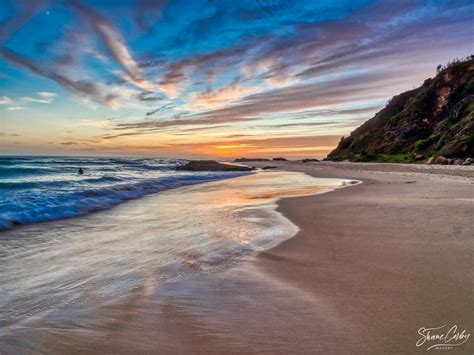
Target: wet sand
point(370, 265)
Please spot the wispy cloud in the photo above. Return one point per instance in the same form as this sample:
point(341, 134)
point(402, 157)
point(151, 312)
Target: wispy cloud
point(115, 45)
point(5, 100)
point(43, 98)
point(47, 95)
point(80, 87)
point(216, 98)
point(94, 123)
point(16, 108)
point(304, 96)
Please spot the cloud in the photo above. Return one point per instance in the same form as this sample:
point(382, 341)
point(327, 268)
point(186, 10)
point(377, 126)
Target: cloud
point(16, 108)
point(304, 96)
point(302, 124)
point(140, 128)
point(161, 109)
point(115, 45)
point(47, 95)
point(35, 100)
point(82, 87)
point(377, 37)
point(44, 98)
point(5, 100)
point(216, 98)
point(206, 63)
point(4, 134)
point(148, 96)
point(94, 123)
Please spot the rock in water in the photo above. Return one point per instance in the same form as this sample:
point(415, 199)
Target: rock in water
point(211, 165)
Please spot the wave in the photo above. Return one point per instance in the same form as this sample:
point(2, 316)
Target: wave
point(19, 185)
point(42, 206)
point(8, 172)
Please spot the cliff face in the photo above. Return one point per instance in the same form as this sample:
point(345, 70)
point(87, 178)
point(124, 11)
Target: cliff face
point(435, 119)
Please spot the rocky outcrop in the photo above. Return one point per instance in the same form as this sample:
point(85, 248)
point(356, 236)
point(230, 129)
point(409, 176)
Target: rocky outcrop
point(436, 119)
point(211, 165)
point(244, 160)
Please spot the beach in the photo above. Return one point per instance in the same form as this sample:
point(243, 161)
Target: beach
point(367, 266)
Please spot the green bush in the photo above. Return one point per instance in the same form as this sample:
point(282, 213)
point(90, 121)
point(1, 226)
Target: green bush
point(422, 144)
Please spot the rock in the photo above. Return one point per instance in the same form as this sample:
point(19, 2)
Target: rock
point(310, 160)
point(269, 167)
point(279, 159)
point(211, 165)
point(419, 157)
point(438, 160)
point(441, 160)
point(468, 161)
point(244, 160)
point(458, 161)
point(450, 161)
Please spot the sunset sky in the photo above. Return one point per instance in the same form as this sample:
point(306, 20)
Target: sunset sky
point(212, 78)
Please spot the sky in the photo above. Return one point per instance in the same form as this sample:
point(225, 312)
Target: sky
point(225, 79)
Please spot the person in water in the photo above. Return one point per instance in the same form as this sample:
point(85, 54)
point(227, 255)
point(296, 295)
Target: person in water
point(80, 171)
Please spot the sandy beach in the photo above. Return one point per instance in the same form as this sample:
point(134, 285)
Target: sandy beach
point(370, 265)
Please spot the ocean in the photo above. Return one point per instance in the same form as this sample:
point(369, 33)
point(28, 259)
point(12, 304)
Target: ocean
point(38, 189)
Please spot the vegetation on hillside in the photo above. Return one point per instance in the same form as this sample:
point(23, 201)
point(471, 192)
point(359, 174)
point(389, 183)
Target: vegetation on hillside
point(435, 119)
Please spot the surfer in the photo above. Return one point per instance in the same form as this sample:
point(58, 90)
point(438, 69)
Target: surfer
point(80, 171)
